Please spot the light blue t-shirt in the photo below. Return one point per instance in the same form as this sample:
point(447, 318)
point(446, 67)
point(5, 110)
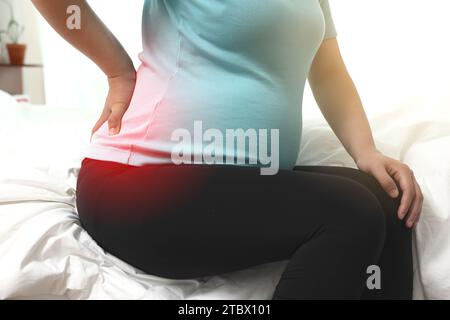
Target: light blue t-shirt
point(220, 65)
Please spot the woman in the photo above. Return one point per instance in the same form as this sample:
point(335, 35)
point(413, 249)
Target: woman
point(239, 65)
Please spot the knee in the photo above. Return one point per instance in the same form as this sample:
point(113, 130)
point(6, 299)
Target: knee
point(397, 232)
point(361, 217)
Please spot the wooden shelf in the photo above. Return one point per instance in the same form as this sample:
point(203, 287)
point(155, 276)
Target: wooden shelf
point(7, 65)
point(13, 78)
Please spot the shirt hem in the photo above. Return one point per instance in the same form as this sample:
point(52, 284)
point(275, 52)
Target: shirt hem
point(108, 154)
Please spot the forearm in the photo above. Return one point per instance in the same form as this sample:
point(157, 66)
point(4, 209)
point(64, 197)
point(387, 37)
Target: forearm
point(93, 39)
point(341, 106)
point(339, 100)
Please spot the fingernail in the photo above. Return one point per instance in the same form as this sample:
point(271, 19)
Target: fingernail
point(112, 131)
point(410, 223)
point(394, 193)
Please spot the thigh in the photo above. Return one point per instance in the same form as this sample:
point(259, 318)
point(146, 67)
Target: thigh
point(361, 177)
point(199, 220)
point(390, 205)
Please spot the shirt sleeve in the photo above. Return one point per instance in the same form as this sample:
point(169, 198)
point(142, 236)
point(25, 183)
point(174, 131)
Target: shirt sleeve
point(330, 28)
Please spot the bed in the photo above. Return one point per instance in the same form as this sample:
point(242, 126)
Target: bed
point(45, 254)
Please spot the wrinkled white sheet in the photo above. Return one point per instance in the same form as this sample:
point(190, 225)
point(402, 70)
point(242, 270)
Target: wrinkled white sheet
point(44, 253)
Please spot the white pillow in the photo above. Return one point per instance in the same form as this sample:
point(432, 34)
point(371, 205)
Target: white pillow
point(8, 109)
point(6, 100)
point(9, 119)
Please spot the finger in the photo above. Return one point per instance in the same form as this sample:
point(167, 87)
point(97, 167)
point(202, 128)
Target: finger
point(386, 181)
point(403, 176)
point(115, 118)
point(103, 117)
point(416, 208)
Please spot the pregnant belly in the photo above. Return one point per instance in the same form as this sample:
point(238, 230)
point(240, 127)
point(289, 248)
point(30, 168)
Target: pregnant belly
point(207, 114)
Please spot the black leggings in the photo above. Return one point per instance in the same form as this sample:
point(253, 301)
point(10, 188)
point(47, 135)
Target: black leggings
point(192, 221)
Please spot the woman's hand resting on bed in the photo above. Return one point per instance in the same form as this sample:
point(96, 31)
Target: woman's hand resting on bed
point(121, 90)
point(387, 170)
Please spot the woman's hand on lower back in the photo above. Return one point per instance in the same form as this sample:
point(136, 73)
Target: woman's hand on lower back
point(387, 171)
point(95, 41)
point(120, 92)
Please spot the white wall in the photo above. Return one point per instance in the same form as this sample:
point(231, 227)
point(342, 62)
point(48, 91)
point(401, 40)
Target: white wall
point(397, 52)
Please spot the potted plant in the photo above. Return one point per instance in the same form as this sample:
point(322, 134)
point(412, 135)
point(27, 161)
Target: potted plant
point(14, 31)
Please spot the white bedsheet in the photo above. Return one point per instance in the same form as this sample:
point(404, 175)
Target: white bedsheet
point(45, 254)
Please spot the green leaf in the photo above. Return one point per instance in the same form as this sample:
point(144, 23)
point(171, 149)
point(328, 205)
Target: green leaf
point(14, 31)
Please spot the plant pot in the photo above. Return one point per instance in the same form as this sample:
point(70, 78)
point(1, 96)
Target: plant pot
point(16, 53)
